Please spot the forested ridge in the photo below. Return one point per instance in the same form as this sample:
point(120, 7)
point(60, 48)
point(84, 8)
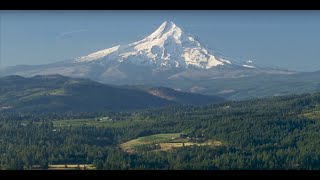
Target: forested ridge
point(274, 133)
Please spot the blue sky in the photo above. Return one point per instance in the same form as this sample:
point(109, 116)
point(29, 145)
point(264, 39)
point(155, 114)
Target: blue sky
point(287, 39)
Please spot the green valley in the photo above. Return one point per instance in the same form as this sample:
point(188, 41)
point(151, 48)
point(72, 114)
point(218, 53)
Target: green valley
point(274, 133)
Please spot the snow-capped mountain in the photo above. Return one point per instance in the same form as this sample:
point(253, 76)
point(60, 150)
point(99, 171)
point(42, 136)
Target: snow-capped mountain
point(168, 57)
point(167, 47)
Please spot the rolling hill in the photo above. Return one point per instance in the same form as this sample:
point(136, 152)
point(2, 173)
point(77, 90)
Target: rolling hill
point(56, 93)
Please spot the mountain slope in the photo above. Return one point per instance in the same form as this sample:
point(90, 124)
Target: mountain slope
point(56, 93)
point(248, 87)
point(183, 97)
point(170, 57)
point(178, 96)
point(167, 53)
point(165, 48)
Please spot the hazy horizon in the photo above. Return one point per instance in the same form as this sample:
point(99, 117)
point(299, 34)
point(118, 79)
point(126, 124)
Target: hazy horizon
point(284, 39)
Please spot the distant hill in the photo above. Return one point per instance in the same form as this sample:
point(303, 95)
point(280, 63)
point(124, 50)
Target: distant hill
point(183, 97)
point(56, 93)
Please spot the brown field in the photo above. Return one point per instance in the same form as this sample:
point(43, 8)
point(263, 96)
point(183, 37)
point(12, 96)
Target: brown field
point(169, 146)
point(166, 142)
point(148, 140)
point(71, 167)
point(215, 143)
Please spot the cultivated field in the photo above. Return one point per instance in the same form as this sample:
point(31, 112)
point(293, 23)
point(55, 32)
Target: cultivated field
point(97, 122)
point(148, 140)
point(81, 122)
point(165, 141)
point(169, 146)
point(314, 114)
point(71, 167)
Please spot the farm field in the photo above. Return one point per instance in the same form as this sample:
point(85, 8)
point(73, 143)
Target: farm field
point(96, 122)
point(71, 167)
point(313, 114)
point(169, 146)
point(148, 140)
point(164, 142)
point(81, 122)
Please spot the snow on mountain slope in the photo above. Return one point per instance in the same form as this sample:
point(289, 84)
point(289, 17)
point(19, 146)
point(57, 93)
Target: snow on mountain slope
point(248, 66)
point(166, 47)
point(98, 55)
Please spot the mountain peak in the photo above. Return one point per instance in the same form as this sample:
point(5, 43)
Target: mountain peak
point(167, 27)
point(168, 24)
point(167, 47)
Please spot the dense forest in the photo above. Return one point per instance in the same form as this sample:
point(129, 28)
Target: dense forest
point(274, 133)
